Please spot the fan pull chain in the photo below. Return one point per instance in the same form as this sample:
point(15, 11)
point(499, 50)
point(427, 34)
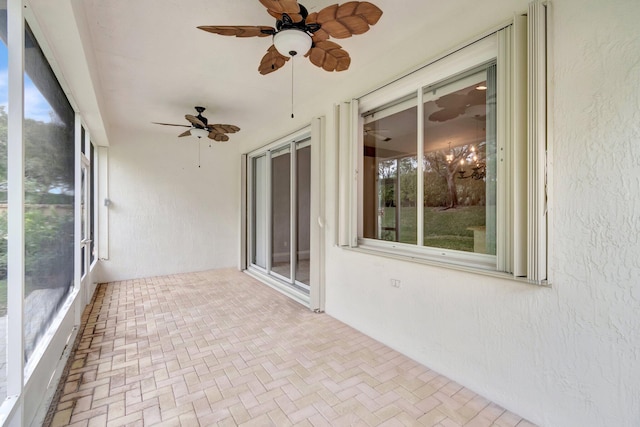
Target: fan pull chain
point(292, 63)
point(198, 152)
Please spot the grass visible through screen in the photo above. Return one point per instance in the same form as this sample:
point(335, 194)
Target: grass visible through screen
point(3, 297)
point(443, 228)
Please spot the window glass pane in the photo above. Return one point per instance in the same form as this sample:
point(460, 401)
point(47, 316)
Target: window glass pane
point(303, 196)
point(259, 211)
point(390, 173)
point(49, 194)
point(4, 101)
point(281, 213)
point(82, 136)
point(459, 165)
point(83, 220)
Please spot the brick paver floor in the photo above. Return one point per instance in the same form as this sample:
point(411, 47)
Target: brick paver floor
point(220, 348)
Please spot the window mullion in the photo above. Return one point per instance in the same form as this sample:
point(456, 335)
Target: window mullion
point(420, 170)
point(293, 206)
point(245, 239)
point(15, 199)
point(268, 217)
point(79, 223)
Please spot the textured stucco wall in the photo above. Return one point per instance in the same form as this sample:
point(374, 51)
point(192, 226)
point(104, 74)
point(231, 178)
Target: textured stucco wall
point(568, 355)
point(596, 228)
point(167, 215)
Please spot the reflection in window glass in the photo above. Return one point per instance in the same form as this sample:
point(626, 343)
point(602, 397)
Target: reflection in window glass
point(280, 231)
point(458, 200)
point(390, 173)
point(281, 213)
point(4, 57)
point(49, 195)
point(303, 217)
point(459, 165)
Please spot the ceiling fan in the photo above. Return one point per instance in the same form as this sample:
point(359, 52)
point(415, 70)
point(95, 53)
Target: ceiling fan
point(456, 104)
point(200, 127)
point(298, 32)
point(379, 134)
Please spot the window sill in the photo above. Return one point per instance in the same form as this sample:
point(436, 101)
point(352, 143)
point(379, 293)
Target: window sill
point(472, 263)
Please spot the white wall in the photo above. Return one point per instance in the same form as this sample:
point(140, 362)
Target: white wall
point(568, 355)
point(167, 215)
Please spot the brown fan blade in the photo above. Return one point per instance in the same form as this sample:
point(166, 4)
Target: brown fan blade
point(319, 34)
point(218, 136)
point(277, 7)
point(220, 128)
point(196, 121)
point(170, 124)
point(239, 30)
point(271, 61)
point(185, 133)
point(346, 20)
point(329, 56)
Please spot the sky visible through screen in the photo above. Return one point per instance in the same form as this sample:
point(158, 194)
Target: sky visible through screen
point(35, 105)
point(4, 78)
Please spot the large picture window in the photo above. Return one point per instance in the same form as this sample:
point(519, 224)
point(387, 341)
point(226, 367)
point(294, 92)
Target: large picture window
point(450, 159)
point(457, 163)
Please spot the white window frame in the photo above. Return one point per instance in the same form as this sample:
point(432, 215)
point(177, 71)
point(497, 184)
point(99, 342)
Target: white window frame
point(30, 384)
point(85, 241)
point(522, 211)
point(417, 100)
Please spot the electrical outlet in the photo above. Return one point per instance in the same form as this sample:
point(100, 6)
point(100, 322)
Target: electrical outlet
point(395, 283)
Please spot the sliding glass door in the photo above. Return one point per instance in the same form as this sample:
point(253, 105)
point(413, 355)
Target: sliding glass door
point(279, 203)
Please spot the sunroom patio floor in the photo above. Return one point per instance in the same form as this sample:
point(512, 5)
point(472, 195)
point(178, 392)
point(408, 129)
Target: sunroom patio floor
point(220, 348)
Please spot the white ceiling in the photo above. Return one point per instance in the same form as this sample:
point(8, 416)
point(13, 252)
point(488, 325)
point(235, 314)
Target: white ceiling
point(149, 62)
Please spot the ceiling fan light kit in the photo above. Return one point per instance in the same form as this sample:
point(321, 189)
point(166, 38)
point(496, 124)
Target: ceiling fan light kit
point(291, 42)
point(199, 133)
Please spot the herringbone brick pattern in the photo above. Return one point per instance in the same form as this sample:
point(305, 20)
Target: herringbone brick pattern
point(219, 348)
